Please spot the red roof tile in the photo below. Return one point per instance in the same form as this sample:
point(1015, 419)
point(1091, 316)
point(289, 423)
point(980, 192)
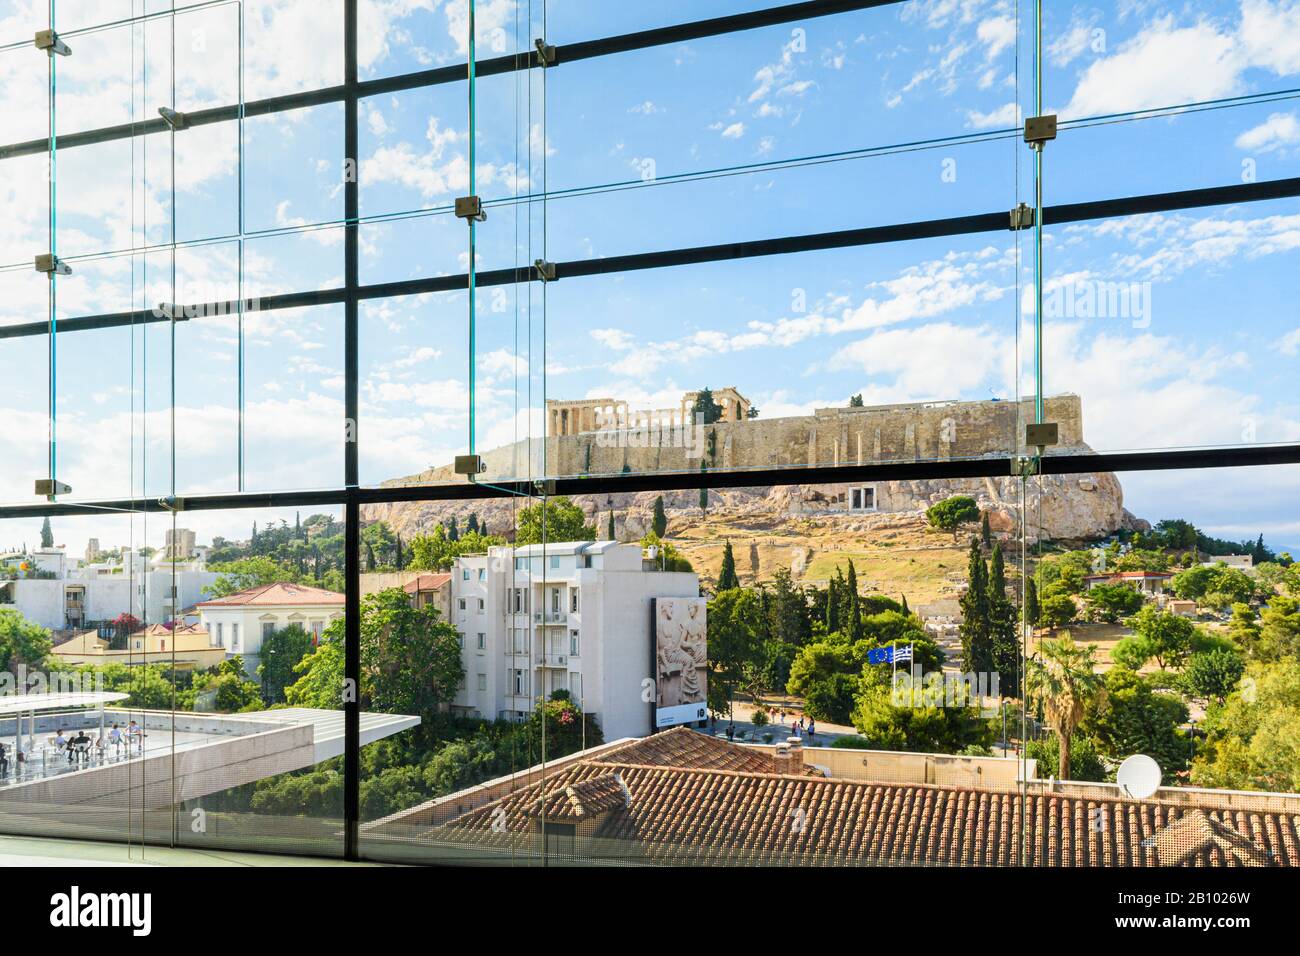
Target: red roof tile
point(280, 594)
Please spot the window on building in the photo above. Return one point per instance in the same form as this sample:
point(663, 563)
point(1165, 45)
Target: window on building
point(863, 499)
point(268, 628)
point(573, 600)
point(460, 604)
point(482, 641)
point(482, 683)
point(221, 638)
point(573, 644)
point(575, 685)
point(234, 637)
point(555, 562)
point(464, 574)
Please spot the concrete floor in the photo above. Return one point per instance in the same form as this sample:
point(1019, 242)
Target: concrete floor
point(35, 851)
point(46, 762)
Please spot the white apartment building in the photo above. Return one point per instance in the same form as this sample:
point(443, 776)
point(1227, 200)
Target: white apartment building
point(569, 616)
point(95, 593)
point(238, 622)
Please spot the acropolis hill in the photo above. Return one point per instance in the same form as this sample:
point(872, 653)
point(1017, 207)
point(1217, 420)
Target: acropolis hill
point(603, 436)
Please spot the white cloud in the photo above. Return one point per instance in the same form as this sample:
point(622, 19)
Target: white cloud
point(1008, 114)
point(734, 131)
point(1278, 131)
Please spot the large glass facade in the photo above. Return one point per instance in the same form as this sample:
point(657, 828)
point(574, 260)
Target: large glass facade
point(530, 433)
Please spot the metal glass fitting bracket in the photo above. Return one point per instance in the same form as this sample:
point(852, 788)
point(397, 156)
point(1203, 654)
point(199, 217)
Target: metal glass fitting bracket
point(1040, 129)
point(177, 121)
point(469, 465)
point(52, 265)
point(470, 208)
point(1022, 217)
point(545, 53)
point(49, 41)
point(1041, 434)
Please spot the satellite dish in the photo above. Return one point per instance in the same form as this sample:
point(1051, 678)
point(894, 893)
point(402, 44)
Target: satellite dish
point(1138, 776)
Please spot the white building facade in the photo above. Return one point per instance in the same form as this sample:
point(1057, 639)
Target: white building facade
point(93, 594)
point(239, 622)
point(571, 616)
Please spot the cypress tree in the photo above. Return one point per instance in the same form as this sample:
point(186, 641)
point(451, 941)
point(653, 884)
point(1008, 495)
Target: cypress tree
point(1002, 627)
point(611, 534)
point(975, 645)
point(986, 534)
point(453, 533)
point(852, 607)
point(905, 608)
point(659, 524)
point(727, 579)
point(471, 526)
point(1031, 603)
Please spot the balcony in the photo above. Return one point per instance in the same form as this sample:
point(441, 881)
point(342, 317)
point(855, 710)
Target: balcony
point(550, 617)
point(553, 660)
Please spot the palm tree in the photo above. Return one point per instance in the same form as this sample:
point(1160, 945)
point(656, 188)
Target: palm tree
point(1061, 677)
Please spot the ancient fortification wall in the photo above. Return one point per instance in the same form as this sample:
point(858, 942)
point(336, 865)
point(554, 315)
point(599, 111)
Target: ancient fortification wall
point(831, 436)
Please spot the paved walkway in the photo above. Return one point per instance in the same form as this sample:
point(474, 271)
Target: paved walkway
point(743, 710)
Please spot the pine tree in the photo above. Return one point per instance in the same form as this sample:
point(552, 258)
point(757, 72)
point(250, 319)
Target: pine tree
point(659, 524)
point(976, 652)
point(47, 535)
point(611, 535)
point(727, 579)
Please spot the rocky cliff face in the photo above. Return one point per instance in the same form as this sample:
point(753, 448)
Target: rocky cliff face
point(1057, 507)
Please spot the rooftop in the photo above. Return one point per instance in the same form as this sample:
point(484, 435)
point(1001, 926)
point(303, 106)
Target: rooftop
point(426, 581)
point(684, 804)
point(277, 595)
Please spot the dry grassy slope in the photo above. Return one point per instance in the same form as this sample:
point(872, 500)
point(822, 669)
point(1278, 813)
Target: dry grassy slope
point(894, 554)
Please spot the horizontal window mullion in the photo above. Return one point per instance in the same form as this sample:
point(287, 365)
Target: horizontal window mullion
point(990, 467)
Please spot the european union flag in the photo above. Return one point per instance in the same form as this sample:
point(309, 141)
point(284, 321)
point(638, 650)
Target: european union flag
point(880, 655)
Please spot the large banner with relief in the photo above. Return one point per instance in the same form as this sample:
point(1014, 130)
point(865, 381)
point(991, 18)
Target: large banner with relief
point(681, 661)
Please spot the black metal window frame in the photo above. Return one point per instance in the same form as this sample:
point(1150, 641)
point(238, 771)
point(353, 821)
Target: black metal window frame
point(351, 496)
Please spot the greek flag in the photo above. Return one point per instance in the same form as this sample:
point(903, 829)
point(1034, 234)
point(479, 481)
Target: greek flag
point(902, 654)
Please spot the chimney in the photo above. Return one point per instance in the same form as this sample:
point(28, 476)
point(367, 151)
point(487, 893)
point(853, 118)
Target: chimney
point(787, 758)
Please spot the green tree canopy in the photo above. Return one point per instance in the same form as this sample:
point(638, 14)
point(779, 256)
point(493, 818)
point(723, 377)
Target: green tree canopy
point(564, 521)
point(951, 513)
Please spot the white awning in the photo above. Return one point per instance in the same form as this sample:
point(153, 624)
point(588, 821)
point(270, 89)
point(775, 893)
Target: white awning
point(27, 703)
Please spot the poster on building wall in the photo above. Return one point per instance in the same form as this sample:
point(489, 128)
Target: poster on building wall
point(680, 661)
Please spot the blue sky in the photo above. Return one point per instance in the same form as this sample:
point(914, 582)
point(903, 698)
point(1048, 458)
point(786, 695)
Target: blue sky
point(1210, 361)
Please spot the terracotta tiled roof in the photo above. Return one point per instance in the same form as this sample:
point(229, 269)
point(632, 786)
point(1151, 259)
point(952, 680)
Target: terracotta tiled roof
point(1196, 835)
point(280, 594)
point(596, 795)
point(426, 582)
point(709, 815)
point(683, 747)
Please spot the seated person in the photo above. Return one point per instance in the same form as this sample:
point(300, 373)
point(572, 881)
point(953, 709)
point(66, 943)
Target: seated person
point(115, 737)
point(61, 742)
point(4, 761)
